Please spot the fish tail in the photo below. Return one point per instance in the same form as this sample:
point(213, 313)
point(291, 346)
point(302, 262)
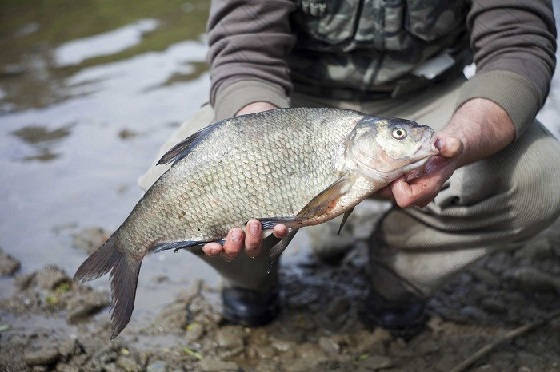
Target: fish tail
point(124, 268)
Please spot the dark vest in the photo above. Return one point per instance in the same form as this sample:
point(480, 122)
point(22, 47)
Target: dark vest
point(350, 48)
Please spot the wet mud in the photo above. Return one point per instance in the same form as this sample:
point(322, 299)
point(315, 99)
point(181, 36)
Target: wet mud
point(51, 323)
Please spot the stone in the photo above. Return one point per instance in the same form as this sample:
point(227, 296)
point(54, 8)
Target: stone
point(42, 357)
point(8, 264)
point(493, 305)
point(128, 364)
point(194, 331)
point(230, 337)
point(312, 352)
point(210, 365)
point(89, 239)
point(157, 366)
point(51, 276)
point(530, 279)
point(377, 362)
point(85, 304)
point(329, 345)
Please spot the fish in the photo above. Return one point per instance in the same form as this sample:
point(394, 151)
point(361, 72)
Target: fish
point(296, 166)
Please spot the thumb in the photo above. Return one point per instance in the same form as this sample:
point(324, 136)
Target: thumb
point(449, 147)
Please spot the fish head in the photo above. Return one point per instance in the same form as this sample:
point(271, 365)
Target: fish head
point(390, 147)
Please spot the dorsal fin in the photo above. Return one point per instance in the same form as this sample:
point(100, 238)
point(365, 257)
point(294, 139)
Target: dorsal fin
point(182, 149)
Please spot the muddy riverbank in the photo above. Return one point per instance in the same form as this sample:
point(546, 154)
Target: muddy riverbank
point(50, 323)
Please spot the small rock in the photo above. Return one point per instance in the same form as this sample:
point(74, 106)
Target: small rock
point(128, 364)
point(377, 362)
point(310, 351)
point(471, 312)
point(329, 345)
point(86, 304)
point(8, 264)
point(208, 364)
point(493, 305)
point(194, 332)
point(51, 276)
point(157, 366)
point(283, 346)
point(89, 239)
point(530, 279)
point(230, 337)
point(69, 347)
point(338, 307)
point(42, 357)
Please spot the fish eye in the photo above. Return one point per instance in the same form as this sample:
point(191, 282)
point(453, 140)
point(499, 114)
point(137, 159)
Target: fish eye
point(399, 133)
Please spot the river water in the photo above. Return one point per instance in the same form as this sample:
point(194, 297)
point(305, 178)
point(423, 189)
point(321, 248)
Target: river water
point(88, 93)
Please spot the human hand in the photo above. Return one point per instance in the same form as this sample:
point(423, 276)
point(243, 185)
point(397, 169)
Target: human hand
point(478, 129)
point(236, 238)
point(251, 238)
point(255, 107)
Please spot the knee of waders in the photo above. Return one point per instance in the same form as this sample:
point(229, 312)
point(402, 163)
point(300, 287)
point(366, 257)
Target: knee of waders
point(535, 188)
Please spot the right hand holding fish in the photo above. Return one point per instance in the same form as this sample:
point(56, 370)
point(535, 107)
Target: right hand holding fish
point(236, 239)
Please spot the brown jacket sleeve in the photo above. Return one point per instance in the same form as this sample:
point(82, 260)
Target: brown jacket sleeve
point(514, 44)
point(249, 42)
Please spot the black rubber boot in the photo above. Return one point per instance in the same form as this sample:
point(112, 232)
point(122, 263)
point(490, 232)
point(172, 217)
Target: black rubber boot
point(403, 319)
point(249, 308)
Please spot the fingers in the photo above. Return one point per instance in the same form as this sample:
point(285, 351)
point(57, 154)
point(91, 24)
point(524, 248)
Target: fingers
point(423, 190)
point(449, 146)
point(212, 249)
point(280, 231)
point(234, 243)
point(236, 239)
point(253, 238)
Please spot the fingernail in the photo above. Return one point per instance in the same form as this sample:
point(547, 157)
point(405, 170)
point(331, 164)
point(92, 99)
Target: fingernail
point(254, 228)
point(235, 236)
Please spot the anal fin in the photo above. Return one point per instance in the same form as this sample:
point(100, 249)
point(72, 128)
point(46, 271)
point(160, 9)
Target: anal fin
point(193, 246)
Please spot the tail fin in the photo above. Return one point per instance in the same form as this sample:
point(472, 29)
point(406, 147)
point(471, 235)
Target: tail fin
point(124, 270)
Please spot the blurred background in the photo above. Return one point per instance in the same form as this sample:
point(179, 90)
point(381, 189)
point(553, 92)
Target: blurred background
point(89, 90)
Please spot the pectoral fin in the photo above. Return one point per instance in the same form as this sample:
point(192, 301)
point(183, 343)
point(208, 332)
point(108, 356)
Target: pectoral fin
point(326, 200)
point(344, 218)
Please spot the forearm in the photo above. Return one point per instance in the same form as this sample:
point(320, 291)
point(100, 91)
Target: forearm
point(514, 50)
point(248, 45)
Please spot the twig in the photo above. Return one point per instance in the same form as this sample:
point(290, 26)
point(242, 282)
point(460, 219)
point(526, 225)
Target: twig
point(507, 337)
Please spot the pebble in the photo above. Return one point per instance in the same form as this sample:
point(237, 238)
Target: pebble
point(209, 365)
point(51, 276)
point(157, 366)
point(472, 312)
point(230, 337)
point(83, 305)
point(42, 357)
point(530, 279)
point(493, 305)
point(89, 239)
point(8, 264)
point(194, 331)
point(377, 362)
point(128, 364)
point(329, 345)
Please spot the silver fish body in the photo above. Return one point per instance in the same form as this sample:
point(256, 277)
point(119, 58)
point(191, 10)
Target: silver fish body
point(294, 166)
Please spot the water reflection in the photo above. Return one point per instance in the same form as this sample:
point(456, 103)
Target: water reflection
point(43, 140)
point(88, 93)
point(75, 52)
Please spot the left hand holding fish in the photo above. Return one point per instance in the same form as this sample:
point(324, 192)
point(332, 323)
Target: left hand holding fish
point(477, 130)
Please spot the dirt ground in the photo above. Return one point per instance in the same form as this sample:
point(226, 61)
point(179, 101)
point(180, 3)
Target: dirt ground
point(47, 322)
